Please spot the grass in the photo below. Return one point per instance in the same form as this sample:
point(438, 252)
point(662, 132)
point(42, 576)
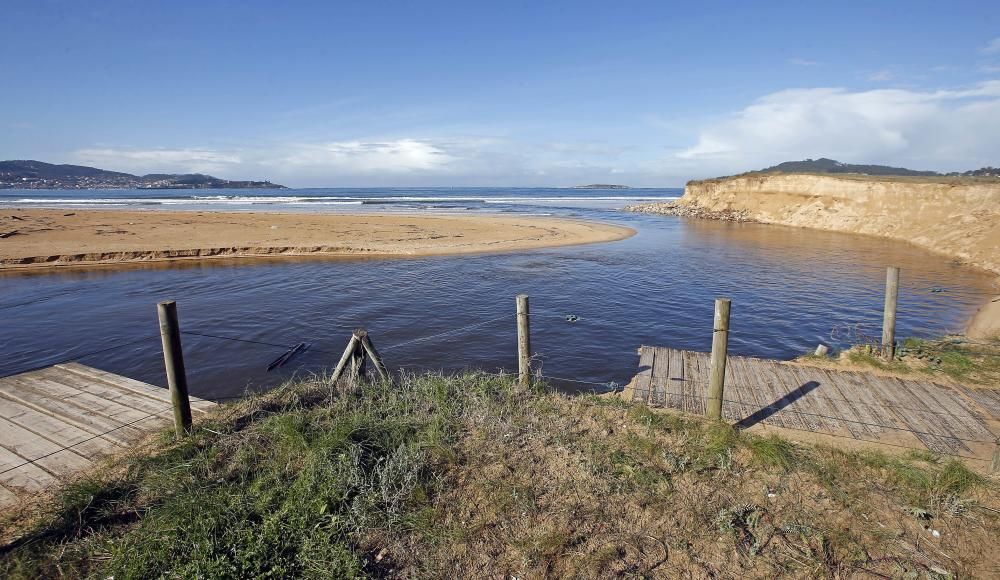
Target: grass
point(473, 475)
point(949, 358)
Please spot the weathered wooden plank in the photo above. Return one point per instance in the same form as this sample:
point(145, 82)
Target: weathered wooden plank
point(658, 382)
point(137, 387)
point(93, 404)
point(55, 429)
point(16, 475)
point(69, 411)
point(104, 391)
point(988, 399)
point(641, 388)
point(675, 379)
point(696, 384)
point(30, 447)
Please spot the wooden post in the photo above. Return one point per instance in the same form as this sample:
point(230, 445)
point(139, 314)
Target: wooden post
point(366, 342)
point(889, 316)
point(345, 358)
point(173, 360)
point(523, 341)
point(720, 347)
point(995, 464)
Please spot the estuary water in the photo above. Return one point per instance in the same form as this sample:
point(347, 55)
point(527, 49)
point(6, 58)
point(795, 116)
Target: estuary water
point(592, 305)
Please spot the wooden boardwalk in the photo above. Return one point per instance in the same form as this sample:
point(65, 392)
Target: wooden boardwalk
point(57, 421)
point(954, 420)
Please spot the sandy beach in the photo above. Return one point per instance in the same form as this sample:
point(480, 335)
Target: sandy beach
point(40, 238)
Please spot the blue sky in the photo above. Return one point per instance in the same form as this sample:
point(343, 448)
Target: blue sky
point(501, 93)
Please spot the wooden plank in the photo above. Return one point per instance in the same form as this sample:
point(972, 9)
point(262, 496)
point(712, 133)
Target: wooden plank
point(640, 392)
point(69, 411)
point(26, 478)
point(696, 382)
point(29, 446)
point(105, 391)
point(910, 409)
point(55, 429)
point(658, 382)
point(675, 379)
point(818, 404)
point(137, 387)
point(93, 404)
point(745, 387)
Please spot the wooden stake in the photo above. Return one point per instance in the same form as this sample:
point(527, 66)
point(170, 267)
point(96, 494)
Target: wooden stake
point(995, 464)
point(366, 342)
point(523, 341)
point(173, 360)
point(345, 358)
point(889, 316)
point(720, 348)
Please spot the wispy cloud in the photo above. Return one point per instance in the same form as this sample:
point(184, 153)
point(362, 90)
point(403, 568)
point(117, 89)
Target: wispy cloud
point(881, 76)
point(802, 62)
point(159, 160)
point(992, 47)
point(949, 128)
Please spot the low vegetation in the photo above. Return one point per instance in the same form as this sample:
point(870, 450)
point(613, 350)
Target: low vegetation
point(473, 475)
point(973, 362)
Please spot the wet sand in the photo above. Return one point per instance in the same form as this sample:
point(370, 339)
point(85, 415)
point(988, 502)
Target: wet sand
point(986, 322)
point(40, 238)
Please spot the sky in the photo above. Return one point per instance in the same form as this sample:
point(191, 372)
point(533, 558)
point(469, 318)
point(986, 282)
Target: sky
point(512, 93)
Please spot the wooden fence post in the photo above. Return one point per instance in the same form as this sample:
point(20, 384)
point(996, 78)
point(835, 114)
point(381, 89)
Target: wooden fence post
point(348, 356)
point(720, 347)
point(889, 315)
point(523, 341)
point(173, 360)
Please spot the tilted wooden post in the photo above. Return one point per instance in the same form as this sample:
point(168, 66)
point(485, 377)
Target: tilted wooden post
point(173, 360)
point(369, 347)
point(523, 341)
point(348, 355)
point(720, 348)
point(889, 316)
point(995, 464)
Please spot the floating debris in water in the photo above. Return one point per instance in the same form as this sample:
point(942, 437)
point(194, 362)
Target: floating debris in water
point(572, 318)
point(937, 289)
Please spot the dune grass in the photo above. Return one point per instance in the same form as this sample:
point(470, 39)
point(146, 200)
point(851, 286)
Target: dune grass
point(474, 475)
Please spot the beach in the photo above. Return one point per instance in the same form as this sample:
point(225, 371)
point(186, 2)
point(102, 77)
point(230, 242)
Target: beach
point(41, 238)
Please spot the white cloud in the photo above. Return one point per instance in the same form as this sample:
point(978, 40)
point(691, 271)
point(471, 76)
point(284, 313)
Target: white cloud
point(358, 157)
point(943, 129)
point(880, 76)
point(992, 46)
point(802, 62)
point(158, 160)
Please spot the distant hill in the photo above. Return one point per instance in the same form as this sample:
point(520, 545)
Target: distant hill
point(824, 165)
point(28, 174)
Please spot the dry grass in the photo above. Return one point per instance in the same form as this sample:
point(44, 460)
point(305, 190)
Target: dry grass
point(474, 476)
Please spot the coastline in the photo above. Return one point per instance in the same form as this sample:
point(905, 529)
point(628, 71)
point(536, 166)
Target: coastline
point(952, 217)
point(48, 238)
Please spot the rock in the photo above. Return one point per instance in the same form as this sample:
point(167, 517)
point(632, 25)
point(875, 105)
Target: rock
point(673, 208)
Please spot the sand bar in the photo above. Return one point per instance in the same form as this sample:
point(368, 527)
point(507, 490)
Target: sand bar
point(40, 238)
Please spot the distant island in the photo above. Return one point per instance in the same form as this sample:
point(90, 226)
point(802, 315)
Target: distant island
point(601, 186)
point(27, 174)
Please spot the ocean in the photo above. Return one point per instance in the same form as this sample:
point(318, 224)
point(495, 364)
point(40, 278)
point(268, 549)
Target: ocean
point(592, 305)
